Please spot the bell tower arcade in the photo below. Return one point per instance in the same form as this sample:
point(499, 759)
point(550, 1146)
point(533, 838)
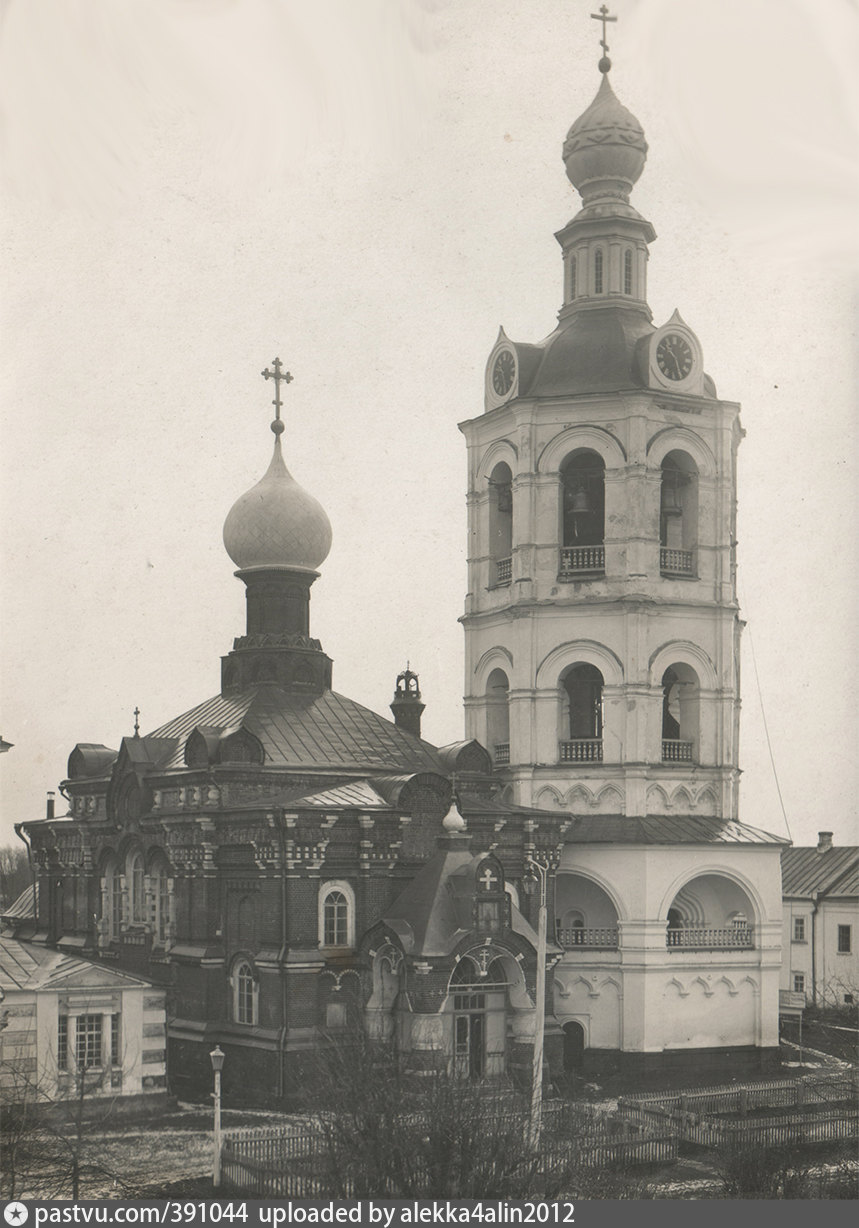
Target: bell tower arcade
point(601, 623)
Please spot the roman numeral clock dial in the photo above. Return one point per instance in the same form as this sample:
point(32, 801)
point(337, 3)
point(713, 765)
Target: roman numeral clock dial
point(674, 357)
point(503, 373)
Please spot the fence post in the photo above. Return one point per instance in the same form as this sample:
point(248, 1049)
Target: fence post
point(743, 1102)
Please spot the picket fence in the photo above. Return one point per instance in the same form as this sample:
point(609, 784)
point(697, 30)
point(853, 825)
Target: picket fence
point(290, 1162)
point(841, 1086)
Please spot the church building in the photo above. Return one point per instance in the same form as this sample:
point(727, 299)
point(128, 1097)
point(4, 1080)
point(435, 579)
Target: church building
point(292, 867)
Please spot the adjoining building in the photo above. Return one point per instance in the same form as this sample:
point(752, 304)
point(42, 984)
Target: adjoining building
point(67, 1020)
point(820, 886)
point(294, 866)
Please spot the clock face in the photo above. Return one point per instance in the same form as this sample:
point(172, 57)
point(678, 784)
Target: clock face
point(674, 356)
point(503, 373)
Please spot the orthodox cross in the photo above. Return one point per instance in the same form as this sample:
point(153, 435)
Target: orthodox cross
point(603, 16)
point(137, 722)
point(279, 377)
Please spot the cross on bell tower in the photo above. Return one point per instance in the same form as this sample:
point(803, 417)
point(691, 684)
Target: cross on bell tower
point(279, 377)
point(603, 16)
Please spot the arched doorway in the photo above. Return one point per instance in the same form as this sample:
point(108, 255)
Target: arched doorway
point(479, 1019)
point(574, 1047)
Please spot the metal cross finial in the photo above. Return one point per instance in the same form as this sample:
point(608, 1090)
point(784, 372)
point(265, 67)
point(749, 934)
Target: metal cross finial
point(137, 722)
point(602, 15)
point(279, 377)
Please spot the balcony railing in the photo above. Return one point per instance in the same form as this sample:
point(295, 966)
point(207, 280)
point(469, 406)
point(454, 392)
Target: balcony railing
point(503, 571)
point(604, 939)
point(676, 562)
point(732, 938)
point(581, 750)
point(576, 560)
point(501, 752)
point(675, 751)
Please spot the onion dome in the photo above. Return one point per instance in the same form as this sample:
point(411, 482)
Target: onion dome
point(605, 149)
point(277, 524)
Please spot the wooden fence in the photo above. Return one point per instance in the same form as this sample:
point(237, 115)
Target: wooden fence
point(290, 1162)
point(839, 1087)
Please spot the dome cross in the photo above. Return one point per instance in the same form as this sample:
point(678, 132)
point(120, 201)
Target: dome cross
point(279, 377)
point(603, 16)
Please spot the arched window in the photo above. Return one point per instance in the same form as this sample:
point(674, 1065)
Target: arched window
point(245, 991)
point(572, 293)
point(627, 271)
point(161, 885)
point(598, 277)
point(678, 515)
point(136, 889)
point(498, 716)
point(501, 524)
point(479, 1022)
point(680, 714)
point(582, 513)
point(582, 715)
point(111, 900)
point(336, 915)
point(723, 918)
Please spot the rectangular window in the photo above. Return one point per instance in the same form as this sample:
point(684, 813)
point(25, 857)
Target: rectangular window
point(848, 999)
point(63, 1042)
point(844, 939)
point(799, 929)
point(116, 1040)
point(798, 982)
point(88, 1047)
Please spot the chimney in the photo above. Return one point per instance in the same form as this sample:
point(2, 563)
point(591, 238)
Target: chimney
point(406, 705)
point(49, 810)
point(824, 841)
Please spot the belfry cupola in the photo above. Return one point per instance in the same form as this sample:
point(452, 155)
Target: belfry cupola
point(278, 535)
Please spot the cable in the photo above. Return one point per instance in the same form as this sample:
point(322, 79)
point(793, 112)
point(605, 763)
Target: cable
point(767, 730)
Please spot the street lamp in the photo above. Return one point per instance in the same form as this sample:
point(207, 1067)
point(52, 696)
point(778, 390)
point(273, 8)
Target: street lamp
point(539, 873)
point(217, 1059)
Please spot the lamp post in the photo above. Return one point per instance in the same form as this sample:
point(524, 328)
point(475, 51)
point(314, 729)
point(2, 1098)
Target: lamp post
point(217, 1058)
point(539, 872)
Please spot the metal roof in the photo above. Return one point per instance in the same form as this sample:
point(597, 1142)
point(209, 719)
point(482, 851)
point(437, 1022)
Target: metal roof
point(663, 829)
point(26, 966)
point(307, 731)
point(832, 871)
point(23, 908)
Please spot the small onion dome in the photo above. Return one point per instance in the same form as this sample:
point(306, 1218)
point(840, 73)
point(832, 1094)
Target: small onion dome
point(453, 822)
point(277, 524)
point(605, 149)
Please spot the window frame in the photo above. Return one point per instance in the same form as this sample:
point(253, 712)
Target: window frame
point(62, 1042)
point(89, 1042)
point(245, 992)
point(798, 930)
point(325, 891)
point(844, 940)
point(798, 982)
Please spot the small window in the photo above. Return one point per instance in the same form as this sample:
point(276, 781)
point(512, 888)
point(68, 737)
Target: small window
point(137, 881)
point(598, 281)
point(244, 989)
point(63, 1042)
point(627, 272)
point(799, 929)
point(848, 999)
point(572, 277)
point(798, 982)
point(116, 1040)
point(844, 939)
point(89, 1041)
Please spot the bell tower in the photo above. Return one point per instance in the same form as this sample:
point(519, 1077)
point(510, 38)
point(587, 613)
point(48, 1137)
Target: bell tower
point(601, 622)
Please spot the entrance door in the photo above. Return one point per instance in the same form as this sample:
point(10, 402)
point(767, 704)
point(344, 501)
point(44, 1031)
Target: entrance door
point(574, 1047)
point(470, 1046)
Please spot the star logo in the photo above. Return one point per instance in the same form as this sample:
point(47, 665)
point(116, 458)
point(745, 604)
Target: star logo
point(15, 1213)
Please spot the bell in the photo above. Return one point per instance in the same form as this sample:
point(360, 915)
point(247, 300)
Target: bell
point(581, 503)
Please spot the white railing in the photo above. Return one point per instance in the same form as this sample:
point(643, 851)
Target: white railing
point(581, 750)
point(603, 939)
point(730, 938)
point(503, 571)
point(676, 562)
point(675, 751)
point(501, 752)
point(575, 559)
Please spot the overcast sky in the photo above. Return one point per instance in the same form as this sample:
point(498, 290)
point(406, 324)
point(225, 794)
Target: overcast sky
point(368, 188)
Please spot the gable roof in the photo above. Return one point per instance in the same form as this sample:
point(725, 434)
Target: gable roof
point(26, 966)
point(664, 829)
point(307, 731)
point(832, 871)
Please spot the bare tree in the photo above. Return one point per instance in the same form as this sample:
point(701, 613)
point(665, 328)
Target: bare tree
point(15, 874)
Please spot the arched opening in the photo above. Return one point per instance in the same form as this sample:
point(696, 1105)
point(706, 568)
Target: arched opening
point(710, 913)
point(583, 513)
point(498, 716)
point(678, 515)
point(161, 888)
point(574, 1047)
point(501, 524)
point(479, 1001)
point(136, 880)
point(581, 714)
point(598, 271)
point(572, 279)
point(627, 271)
point(585, 916)
point(680, 714)
point(244, 989)
point(112, 902)
point(335, 920)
